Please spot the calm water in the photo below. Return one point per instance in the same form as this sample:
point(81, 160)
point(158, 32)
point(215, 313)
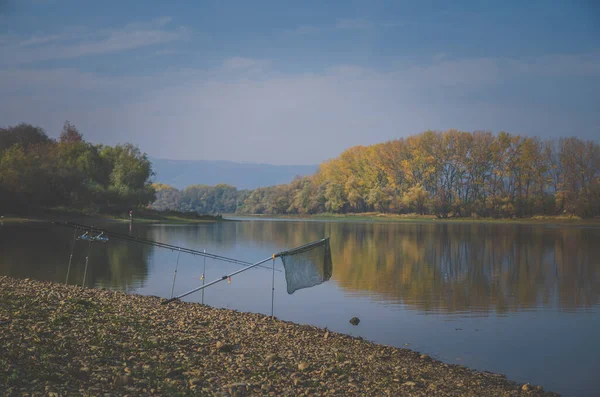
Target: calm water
point(519, 300)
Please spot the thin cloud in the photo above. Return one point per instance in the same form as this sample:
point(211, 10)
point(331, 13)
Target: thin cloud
point(167, 51)
point(353, 24)
point(162, 21)
point(39, 40)
point(242, 63)
point(357, 24)
point(338, 108)
point(363, 24)
point(304, 30)
point(392, 24)
point(212, 114)
point(79, 43)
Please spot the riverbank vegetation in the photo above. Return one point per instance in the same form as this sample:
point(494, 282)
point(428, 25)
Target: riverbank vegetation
point(203, 199)
point(442, 174)
point(38, 173)
point(427, 218)
point(450, 174)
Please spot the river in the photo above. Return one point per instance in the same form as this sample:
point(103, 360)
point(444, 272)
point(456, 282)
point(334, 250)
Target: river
point(521, 300)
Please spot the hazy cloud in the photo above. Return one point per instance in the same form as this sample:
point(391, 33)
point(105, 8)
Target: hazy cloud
point(304, 30)
point(352, 24)
point(342, 24)
point(302, 118)
point(241, 63)
point(24, 80)
point(76, 43)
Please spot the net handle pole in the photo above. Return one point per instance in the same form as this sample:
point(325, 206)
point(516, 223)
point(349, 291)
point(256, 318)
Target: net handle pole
point(175, 275)
point(71, 256)
point(273, 288)
point(225, 277)
point(203, 277)
point(86, 262)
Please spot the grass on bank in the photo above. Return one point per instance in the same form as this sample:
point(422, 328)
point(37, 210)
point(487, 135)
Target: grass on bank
point(139, 216)
point(382, 217)
point(153, 216)
point(176, 217)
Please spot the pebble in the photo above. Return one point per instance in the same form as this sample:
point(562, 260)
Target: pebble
point(222, 347)
point(174, 373)
point(195, 381)
point(122, 380)
point(303, 366)
point(271, 357)
point(266, 387)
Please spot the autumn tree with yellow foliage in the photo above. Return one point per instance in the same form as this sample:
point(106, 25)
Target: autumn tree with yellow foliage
point(450, 173)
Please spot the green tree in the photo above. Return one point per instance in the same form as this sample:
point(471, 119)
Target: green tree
point(129, 173)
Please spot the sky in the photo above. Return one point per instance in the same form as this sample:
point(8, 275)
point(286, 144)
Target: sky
point(297, 82)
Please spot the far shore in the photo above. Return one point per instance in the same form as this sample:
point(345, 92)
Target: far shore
point(175, 217)
point(411, 218)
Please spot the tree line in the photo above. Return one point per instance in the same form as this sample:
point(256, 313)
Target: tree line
point(203, 199)
point(451, 173)
point(38, 172)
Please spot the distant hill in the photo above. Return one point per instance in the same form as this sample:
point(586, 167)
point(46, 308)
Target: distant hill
point(182, 173)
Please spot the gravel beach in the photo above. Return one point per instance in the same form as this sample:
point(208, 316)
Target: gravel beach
point(58, 340)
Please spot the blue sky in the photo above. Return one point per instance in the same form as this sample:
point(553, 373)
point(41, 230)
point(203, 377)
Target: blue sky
point(290, 82)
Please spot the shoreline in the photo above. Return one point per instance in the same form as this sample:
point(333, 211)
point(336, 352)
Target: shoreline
point(141, 216)
point(146, 217)
point(413, 218)
point(66, 339)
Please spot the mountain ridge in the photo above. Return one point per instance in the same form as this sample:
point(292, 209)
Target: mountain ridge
point(242, 175)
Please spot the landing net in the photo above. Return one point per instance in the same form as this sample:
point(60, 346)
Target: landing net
point(307, 266)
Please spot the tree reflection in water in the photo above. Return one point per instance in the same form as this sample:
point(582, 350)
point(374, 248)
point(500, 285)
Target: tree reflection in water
point(470, 267)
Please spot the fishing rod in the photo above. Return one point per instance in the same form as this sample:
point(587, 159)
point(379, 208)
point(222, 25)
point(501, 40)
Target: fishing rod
point(155, 243)
point(223, 278)
point(292, 251)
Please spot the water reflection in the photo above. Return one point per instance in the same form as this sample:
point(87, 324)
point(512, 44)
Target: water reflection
point(428, 267)
point(41, 251)
point(455, 267)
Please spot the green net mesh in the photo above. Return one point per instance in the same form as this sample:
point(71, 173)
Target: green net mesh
point(307, 266)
